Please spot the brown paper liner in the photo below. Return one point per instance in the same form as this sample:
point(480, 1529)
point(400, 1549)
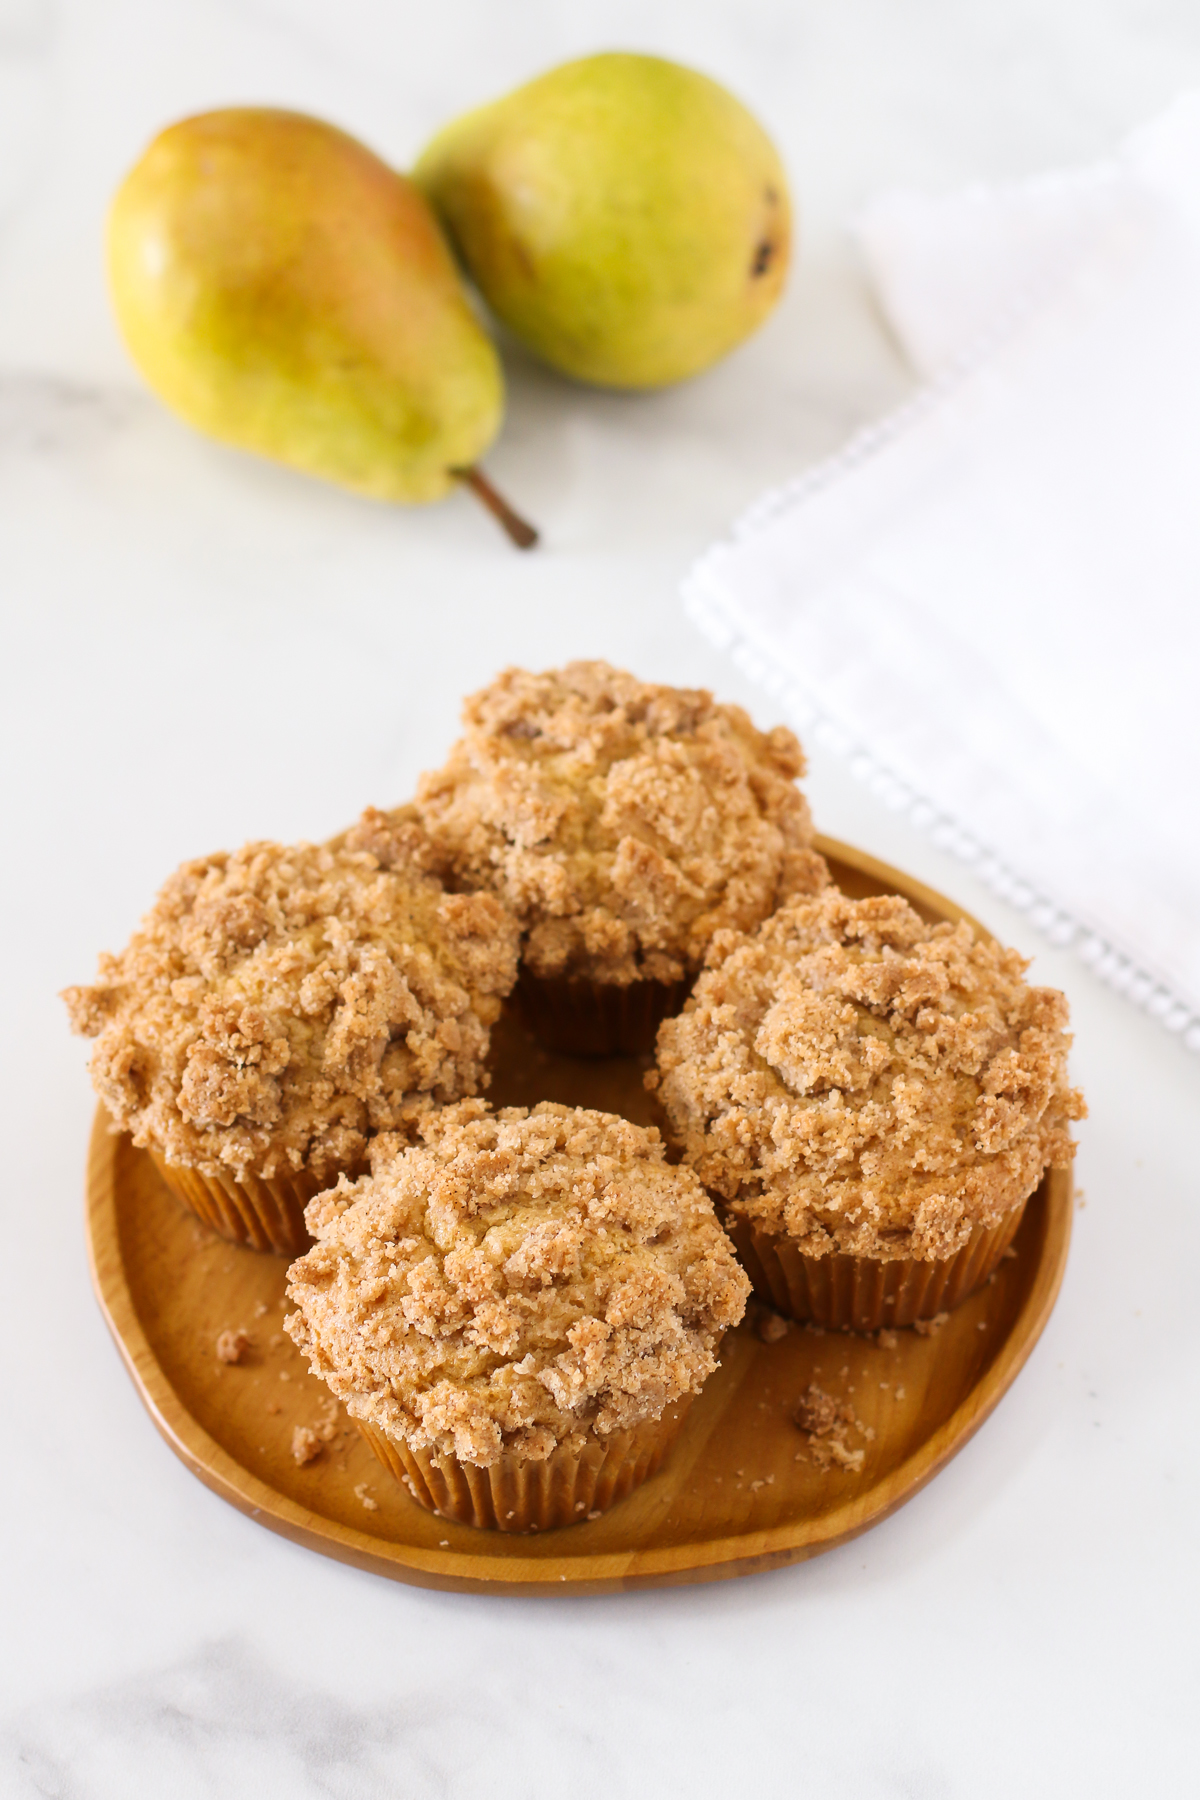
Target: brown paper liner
point(515, 1494)
point(268, 1215)
point(597, 1018)
point(862, 1293)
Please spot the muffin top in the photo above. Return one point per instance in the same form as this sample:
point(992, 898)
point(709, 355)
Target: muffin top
point(865, 1082)
point(623, 822)
point(278, 1005)
point(515, 1281)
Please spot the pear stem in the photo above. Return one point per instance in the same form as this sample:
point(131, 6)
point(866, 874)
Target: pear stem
point(519, 530)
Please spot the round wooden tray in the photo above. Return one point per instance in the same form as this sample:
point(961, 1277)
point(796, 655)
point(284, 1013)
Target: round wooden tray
point(740, 1492)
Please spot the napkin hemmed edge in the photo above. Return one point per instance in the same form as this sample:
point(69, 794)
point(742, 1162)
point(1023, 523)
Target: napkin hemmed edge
point(1058, 924)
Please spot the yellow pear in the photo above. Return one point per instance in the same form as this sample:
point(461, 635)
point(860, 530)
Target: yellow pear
point(626, 218)
point(286, 291)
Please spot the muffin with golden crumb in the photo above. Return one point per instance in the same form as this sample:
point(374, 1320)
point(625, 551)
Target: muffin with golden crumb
point(279, 1006)
point(624, 823)
point(873, 1099)
point(517, 1309)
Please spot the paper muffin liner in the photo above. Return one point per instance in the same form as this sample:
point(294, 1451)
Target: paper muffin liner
point(597, 1018)
point(862, 1293)
point(515, 1494)
point(268, 1215)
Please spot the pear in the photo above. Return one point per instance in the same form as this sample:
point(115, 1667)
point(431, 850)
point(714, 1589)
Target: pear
point(625, 217)
point(286, 291)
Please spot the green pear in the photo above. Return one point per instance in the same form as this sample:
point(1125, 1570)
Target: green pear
point(284, 290)
point(626, 218)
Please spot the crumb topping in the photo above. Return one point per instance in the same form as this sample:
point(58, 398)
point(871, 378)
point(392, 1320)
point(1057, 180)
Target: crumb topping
point(624, 822)
point(865, 1082)
point(278, 1006)
point(515, 1281)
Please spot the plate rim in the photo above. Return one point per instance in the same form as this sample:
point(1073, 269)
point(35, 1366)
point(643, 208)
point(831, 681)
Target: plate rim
point(704, 1560)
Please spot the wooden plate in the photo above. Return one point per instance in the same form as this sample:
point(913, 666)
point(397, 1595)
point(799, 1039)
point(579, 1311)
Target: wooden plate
point(740, 1492)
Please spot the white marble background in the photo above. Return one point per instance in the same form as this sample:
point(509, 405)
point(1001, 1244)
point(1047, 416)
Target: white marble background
point(199, 649)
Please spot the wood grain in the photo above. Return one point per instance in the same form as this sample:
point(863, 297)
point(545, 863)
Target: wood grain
point(740, 1492)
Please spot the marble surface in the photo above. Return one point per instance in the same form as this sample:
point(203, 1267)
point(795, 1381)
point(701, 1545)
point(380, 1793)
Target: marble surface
point(200, 649)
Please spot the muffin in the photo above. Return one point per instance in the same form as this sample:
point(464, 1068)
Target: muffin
point(280, 1005)
point(517, 1309)
point(624, 823)
point(873, 1099)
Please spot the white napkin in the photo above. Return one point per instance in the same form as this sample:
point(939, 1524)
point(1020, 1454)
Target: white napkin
point(991, 603)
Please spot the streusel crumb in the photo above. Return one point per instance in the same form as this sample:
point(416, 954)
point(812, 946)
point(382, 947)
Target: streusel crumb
point(827, 1424)
point(306, 1445)
point(514, 1282)
point(279, 1005)
point(624, 822)
point(232, 1346)
point(866, 1082)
